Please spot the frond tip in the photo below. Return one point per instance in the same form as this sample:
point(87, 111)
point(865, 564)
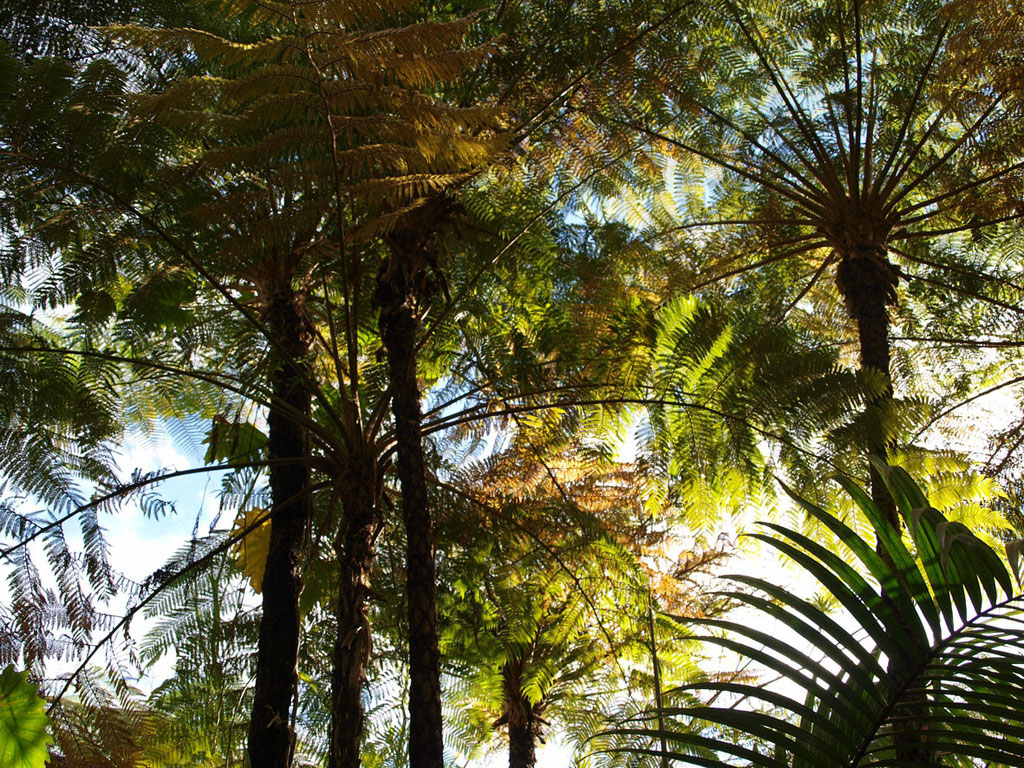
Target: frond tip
point(926, 667)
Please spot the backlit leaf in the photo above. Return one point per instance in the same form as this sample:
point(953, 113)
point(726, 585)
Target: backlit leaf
point(23, 723)
point(251, 551)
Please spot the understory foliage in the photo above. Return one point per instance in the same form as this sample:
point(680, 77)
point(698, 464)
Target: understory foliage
point(488, 326)
point(920, 672)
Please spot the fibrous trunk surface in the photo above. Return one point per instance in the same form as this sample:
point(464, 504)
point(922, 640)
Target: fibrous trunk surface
point(354, 549)
point(523, 723)
point(271, 740)
point(397, 295)
point(867, 281)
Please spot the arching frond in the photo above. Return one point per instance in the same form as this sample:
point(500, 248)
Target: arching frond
point(922, 668)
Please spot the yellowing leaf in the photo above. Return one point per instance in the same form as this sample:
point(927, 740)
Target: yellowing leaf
point(251, 552)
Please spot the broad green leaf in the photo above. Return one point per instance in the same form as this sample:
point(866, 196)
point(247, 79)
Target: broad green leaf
point(886, 672)
point(859, 547)
point(1013, 553)
point(845, 584)
point(233, 441)
point(23, 722)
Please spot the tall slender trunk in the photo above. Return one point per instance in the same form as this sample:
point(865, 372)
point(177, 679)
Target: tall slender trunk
point(659, 700)
point(397, 295)
point(867, 281)
point(523, 723)
point(271, 740)
point(354, 548)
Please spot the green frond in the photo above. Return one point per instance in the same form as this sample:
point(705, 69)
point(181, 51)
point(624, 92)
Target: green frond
point(927, 683)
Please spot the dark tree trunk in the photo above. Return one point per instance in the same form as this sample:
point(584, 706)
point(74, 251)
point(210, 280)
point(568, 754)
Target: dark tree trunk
point(523, 723)
point(867, 282)
point(271, 741)
point(354, 548)
point(400, 287)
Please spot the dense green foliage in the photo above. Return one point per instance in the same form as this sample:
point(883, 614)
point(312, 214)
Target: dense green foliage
point(925, 678)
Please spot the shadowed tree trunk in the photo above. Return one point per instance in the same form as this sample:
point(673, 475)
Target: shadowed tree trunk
point(401, 289)
point(867, 282)
point(524, 723)
point(271, 740)
point(354, 548)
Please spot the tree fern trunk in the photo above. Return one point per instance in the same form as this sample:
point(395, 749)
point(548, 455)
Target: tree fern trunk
point(271, 741)
point(519, 712)
point(354, 548)
point(867, 281)
point(396, 295)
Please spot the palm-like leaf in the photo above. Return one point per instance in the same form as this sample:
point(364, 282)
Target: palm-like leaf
point(926, 666)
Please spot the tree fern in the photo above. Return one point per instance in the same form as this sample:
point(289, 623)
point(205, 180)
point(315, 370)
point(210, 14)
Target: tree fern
point(819, 150)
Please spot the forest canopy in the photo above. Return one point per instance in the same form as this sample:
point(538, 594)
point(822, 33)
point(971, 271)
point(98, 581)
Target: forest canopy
point(562, 383)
